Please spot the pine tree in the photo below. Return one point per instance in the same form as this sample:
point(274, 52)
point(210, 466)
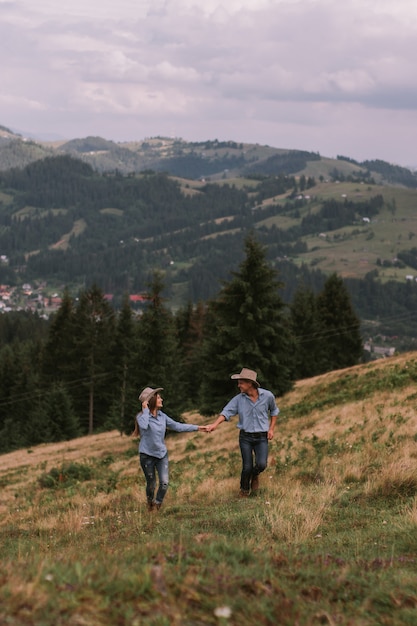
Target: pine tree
point(9, 372)
point(157, 359)
point(19, 427)
point(125, 405)
point(190, 330)
point(342, 340)
point(94, 331)
point(56, 354)
point(55, 419)
point(306, 327)
point(247, 326)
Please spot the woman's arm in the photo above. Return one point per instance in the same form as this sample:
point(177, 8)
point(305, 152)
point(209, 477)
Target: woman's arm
point(143, 417)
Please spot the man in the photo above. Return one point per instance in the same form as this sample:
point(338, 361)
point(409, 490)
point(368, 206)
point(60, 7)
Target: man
point(257, 412)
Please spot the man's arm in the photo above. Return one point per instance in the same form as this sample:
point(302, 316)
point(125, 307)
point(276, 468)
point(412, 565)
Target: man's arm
point(272, 426)
point(214, 425)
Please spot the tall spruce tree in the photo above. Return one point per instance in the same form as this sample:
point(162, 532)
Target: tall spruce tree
point(54, 418)
point(125, 404)
point(10, 367)
point(341, 336)
point(94, 331)
point(306, 326)
point(157, 358)
point(58, 349)
point(247, 326)
point(190, 330)
point(18, 424)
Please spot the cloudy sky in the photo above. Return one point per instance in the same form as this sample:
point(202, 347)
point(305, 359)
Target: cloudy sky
point(329, 76)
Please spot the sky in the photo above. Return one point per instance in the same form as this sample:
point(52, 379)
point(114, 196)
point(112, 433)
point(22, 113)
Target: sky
point(337, 77)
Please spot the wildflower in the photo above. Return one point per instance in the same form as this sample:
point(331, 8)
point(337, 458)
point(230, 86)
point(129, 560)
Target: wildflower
point(223, 611)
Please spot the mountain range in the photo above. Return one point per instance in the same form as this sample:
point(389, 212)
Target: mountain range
point(93, 210)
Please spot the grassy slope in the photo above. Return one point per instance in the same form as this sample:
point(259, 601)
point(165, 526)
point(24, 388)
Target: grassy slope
point(354, 250)
point(330, 538)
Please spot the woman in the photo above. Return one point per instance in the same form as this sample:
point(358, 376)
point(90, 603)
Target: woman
point(152, 423)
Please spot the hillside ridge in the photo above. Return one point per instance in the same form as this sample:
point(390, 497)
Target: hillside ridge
point(210, 159)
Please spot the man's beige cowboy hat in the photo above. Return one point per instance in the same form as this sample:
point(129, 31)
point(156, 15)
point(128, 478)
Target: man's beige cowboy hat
point(246, 374)
point(147, 393)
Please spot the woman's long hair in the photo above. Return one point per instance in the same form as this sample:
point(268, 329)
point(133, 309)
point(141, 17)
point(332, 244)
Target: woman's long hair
point(151, 406)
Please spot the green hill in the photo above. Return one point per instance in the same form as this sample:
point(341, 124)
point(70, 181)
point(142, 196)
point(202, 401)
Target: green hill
point(330, 538)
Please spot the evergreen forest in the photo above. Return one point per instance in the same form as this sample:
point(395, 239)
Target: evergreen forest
point(81, 371)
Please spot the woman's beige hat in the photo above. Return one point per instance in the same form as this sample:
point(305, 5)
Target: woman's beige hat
point(246, 374)
point(148, 392)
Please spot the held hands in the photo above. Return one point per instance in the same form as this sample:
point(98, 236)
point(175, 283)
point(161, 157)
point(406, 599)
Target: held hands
point(207, 429)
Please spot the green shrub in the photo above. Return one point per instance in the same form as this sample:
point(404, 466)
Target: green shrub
point(65, 476)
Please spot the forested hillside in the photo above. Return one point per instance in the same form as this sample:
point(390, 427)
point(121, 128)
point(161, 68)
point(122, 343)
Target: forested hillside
point(63, 223)
point(81, 371)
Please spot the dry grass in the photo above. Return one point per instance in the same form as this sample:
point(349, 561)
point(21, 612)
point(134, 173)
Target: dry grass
point(339, 494)
point(296, 519)
point(359, 431)
point(77, 449)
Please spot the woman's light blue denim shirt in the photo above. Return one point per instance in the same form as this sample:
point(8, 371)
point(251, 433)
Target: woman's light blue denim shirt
point(152, 431)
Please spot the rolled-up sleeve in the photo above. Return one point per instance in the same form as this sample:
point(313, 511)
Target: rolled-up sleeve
point(253, 416)
point(142, 419)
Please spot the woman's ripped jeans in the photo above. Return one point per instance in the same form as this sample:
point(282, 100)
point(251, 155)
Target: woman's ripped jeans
point(152, 466)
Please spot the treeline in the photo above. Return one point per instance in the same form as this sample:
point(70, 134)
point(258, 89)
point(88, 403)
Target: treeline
point(195, 166)
point(284, 164)
point(393, 173)
point(82, 372)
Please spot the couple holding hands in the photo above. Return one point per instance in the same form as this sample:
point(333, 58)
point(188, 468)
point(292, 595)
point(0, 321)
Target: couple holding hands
point(257, 414)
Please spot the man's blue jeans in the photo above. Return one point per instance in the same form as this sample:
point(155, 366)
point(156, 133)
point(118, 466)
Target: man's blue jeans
point(254, 450)
point(152, 466)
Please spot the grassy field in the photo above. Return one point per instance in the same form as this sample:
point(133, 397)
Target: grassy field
point(353, 251)
point(330, 538)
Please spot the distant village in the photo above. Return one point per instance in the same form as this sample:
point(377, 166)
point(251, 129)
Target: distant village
point(37, 300)
point(28, 298)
